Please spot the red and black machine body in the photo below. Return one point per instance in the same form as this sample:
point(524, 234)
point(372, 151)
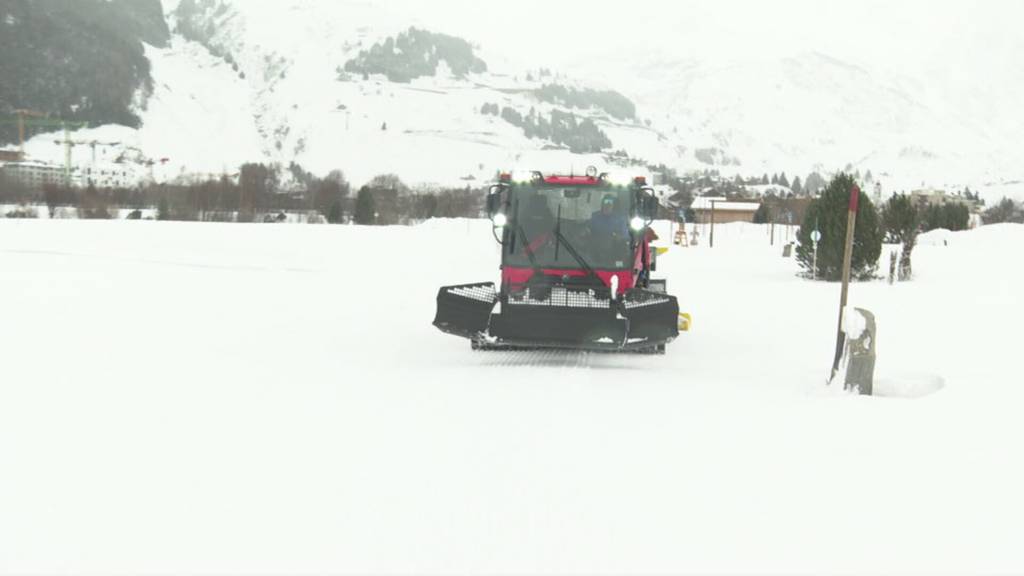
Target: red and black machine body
point(575, 270)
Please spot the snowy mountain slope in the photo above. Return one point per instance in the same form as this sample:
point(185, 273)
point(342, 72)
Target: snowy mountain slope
point(198, 118)
point(811, 111)
point(292, 54)
point(256, 81)
point(264, 82)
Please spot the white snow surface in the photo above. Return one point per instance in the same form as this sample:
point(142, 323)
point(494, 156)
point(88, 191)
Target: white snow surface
point(203, 398)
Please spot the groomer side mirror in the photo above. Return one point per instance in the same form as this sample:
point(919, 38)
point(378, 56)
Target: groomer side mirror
point(495, 207)
point(650, 208)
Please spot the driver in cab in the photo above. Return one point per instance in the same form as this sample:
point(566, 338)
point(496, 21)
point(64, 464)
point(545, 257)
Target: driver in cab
point(606, 222)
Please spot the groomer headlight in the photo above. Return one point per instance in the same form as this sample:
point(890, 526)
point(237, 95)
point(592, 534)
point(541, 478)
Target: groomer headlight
point(618, 179)
point(637, 224)
point(500, 220)
point(522, 176)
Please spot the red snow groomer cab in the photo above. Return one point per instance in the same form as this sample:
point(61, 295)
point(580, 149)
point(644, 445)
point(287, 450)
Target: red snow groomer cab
point(576, 265)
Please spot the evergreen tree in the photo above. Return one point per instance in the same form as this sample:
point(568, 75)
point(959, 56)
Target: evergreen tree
point(765, 180)
point(366, 212)
point(814, 183)
point(1005, 211)
point(957, 216)
point(783, 181)
point(953, 216)
point(763, 214)
point(902, 221)
point(798, 187)
point(900, 218)
point(829, 213)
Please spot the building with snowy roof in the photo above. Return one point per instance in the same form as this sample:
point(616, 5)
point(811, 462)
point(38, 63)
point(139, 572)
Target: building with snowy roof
point(37, 174)
point(725, 211)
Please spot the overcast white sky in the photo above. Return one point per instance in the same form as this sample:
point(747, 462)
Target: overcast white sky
point(899, 34)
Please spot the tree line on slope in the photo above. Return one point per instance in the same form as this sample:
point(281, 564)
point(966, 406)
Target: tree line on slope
point(579, 135)
point(416, 53)
point(610, 101)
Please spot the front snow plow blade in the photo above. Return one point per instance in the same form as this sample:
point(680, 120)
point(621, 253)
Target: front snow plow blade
point(653, 317)
point(559, 317)
point(465, 310)
point(586, 319)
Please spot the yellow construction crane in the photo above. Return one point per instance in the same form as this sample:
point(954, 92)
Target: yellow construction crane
point(22, 114)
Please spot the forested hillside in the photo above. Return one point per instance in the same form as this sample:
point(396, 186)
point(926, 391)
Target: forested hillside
point(80, 60)
point(416, 53)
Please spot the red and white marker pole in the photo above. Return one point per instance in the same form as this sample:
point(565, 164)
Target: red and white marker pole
point(851, 223)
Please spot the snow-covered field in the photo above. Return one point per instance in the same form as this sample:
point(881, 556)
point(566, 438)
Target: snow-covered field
point(213, 398)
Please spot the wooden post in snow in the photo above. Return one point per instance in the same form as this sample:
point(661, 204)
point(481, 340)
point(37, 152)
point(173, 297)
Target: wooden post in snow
point(712, 243)
point(851, 223)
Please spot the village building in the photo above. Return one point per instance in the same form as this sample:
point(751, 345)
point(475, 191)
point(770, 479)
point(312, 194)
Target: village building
point(934, 197)
point(109, 176)
point(725, 211)
point(37, 174)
